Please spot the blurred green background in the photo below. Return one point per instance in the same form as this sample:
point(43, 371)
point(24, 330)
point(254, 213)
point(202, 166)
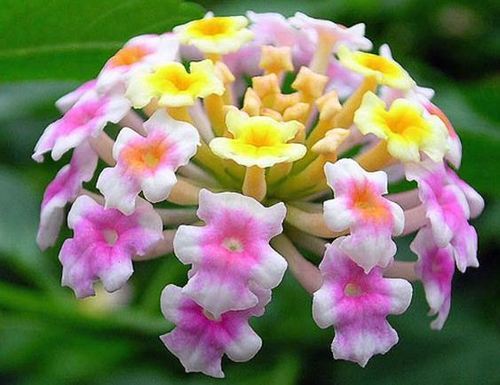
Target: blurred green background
point(48, 338)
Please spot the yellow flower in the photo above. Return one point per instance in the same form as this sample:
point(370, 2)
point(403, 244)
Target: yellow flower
point(386, 71)
point(405, 127)
point(215, 35)
point(258, 140)
point(173, 86)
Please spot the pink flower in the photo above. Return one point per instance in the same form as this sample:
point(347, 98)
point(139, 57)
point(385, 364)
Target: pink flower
point(231, 252)
point(360, 207)
point(148, 163)
point(357, 304)
point(104, 243)
point(447, 210)
point(435, 269)
point(140, 51)
point(62, 190)
point(87, 118)
point(67, 101)
point(200, 339)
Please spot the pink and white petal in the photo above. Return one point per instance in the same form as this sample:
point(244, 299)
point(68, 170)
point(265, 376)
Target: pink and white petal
point(464, 245)
point(193, 353)
point(80, 208)
point(219, 291)
point(65, 143)
point(474, 200)
point(340, 174)
point(400, 295)
point(338, 214)
point(157, 187)
point(170, 302)
point(211, 204)
point(398, 217)
point(188, 244)
point(269, 271)
point(119, 188)
point(438, 322)
point(67, 101)
point(245, 345)
point(183, 134)
point(76, 274)
point(369, 248)
point(116, 274)
point(323, 307)
point(360, 341)
point(125, 136)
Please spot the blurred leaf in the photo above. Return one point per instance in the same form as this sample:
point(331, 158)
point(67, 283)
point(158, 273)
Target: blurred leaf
point(49, 39)
point(18, 227)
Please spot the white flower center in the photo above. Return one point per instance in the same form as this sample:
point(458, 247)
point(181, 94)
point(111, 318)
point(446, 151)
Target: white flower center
point(233, 244)
point(111, 236)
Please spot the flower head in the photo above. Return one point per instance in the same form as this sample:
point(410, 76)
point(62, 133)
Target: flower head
point(104, 243)
point(405, 127)
point(231, 252)
point(360, 207)
point(356, 304)
point(236, 128)
point(147, 163)
point(172, 86)
point(258, 140)
point(215, 35)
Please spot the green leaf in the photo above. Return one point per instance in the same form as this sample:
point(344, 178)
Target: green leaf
point(59, 39)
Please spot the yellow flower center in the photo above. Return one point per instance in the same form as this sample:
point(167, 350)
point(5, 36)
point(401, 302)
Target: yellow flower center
point(211, 27)
point(261, 135)
point(379, 64)
point(407, 122)
point(352, 290)
point(173, 79)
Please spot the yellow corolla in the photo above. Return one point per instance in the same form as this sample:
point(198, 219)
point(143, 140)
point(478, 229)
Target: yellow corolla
point(258, 140)
point(406, 128)
point(172, 86)
point(385, 70)
point(215, 35)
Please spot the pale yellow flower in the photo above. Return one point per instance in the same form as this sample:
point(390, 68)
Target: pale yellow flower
point(215, 35)
point(385, 70)
point(406, 128)
point(258, 140)
point(173, 86)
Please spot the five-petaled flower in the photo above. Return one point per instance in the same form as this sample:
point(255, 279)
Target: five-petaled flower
point(356, 304)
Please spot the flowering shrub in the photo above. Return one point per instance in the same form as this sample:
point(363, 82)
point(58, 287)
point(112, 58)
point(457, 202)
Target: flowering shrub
point(240, 129)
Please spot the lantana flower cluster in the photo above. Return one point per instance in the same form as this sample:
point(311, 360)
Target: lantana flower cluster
point(239, 144)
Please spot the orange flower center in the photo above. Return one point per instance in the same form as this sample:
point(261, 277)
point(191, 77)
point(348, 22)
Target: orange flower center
point(127, 56)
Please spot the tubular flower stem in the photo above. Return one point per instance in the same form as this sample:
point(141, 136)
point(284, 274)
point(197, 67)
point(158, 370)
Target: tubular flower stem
point(245, 156)
point(306, 273)
point(310, 223)
point(400, 269)
point(309, 242)
point(176, 217)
